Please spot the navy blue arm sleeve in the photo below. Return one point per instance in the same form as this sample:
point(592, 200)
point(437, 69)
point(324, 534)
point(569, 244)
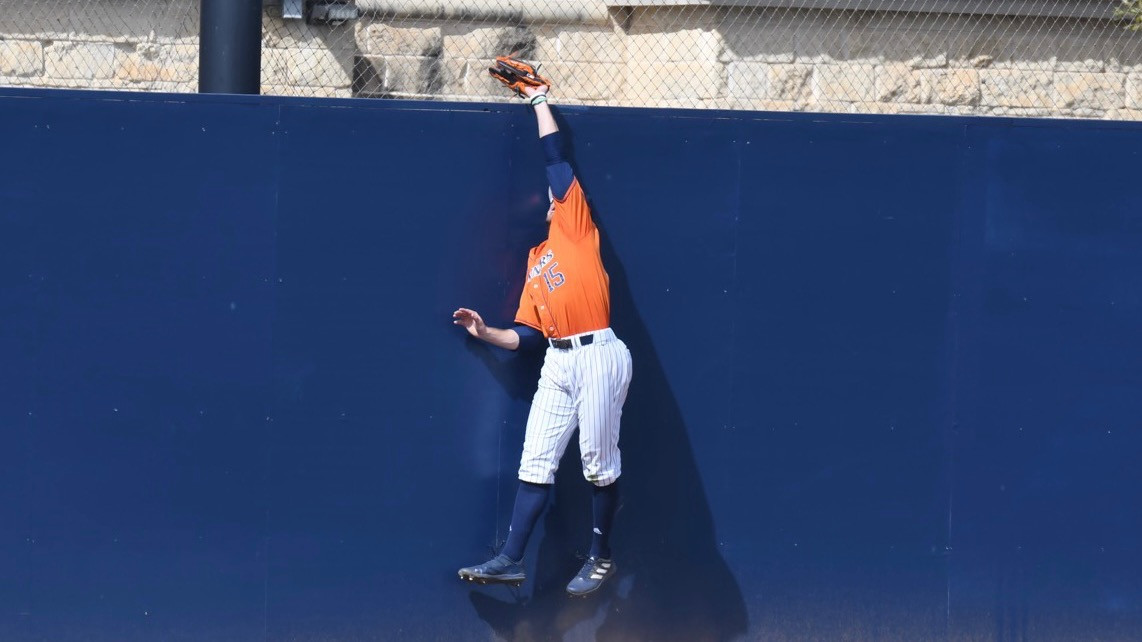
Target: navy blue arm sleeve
point(559, 173)
point(529, 337)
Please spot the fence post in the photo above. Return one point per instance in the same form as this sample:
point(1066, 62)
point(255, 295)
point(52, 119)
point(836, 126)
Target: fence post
point(230, 53)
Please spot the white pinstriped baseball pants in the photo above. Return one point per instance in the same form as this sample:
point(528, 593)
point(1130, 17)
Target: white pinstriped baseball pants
point(584, 387)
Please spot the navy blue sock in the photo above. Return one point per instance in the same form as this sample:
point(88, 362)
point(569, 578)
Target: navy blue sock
point(529, 502)
point(604, 503)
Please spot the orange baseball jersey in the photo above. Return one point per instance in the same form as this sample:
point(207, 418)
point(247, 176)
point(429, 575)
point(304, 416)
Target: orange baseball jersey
point(567, 291)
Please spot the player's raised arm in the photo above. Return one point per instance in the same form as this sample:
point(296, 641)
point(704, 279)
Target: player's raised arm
point(543, 116)
point(559, 172)
point(525, 80)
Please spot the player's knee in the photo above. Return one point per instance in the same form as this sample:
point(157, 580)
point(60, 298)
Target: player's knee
point(537, 472)
point(599, 474)
point(601, 480)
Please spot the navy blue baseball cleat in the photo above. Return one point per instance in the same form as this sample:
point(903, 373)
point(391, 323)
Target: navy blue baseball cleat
point(595, 571)
point(498, 570)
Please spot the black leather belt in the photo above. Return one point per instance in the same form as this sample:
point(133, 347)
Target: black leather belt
point(567, 344)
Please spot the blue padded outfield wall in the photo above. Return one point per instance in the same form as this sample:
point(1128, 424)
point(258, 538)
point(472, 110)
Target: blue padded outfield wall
point(888, 373)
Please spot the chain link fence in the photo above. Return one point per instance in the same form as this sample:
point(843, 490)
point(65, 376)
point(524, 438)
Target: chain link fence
point(1056, 58)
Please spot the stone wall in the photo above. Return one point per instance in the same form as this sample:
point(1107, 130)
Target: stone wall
point(99, 45)
point(781, 60)
point(115, 45)
point(690, 56)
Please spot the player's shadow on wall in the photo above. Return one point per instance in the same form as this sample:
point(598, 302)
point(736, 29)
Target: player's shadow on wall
point(672, 583)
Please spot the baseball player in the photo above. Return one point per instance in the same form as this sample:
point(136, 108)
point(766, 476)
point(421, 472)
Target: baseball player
point(565, 304)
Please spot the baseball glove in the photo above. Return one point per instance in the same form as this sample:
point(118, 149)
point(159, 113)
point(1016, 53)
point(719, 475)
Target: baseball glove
point(516, 74)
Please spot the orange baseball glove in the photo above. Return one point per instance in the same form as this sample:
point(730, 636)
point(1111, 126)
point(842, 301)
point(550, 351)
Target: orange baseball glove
point(516, 74)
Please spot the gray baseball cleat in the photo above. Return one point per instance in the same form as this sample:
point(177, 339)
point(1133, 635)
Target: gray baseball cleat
point(595, 571)
point(498, 570)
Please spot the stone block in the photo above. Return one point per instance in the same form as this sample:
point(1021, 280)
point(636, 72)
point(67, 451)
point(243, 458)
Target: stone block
point(898, 82)
point(484, 43)
point(186, 52)
point(134, 69)
point(82, 83)
point(1027, 90)
point(874, 108)
point(790, 83)
point(1134, 91)
point(897, 108)
point(587, 81)
point(378, 38)
point(158, 63)
point(82, 60)
point(423, 77)
point(1082, 112)
point(454, 76)
point(306, 92)
point(936, 62)
point(721, 102)
point(1021, 112)
point(1089, 66)
point(318, 67)
point(546, 45)
point(288, 34)
point(275, 66)
point(756, 37)
point(1090, 90)
point(748, 80)
point(170, 87)
point(964, 110)
point(768, 105)
point(830, 107)
point(474, 82)
point(955, 86)
point(416, 75)
point(536, 43)
point(675, 80)
point(276, 90)
point(591, 45)
point(684, 45)
point(1134, 115)
point(21, 58)
point(844, 83)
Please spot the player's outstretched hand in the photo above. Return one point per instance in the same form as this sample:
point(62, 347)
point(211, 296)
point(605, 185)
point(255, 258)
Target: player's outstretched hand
point(532, 92)
point(471, 321)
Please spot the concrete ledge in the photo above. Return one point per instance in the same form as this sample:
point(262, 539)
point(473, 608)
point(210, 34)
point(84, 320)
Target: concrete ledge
point(519, 11)
point(1041, 8)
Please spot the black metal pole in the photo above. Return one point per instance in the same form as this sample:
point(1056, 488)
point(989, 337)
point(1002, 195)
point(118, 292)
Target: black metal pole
point(230, 47)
